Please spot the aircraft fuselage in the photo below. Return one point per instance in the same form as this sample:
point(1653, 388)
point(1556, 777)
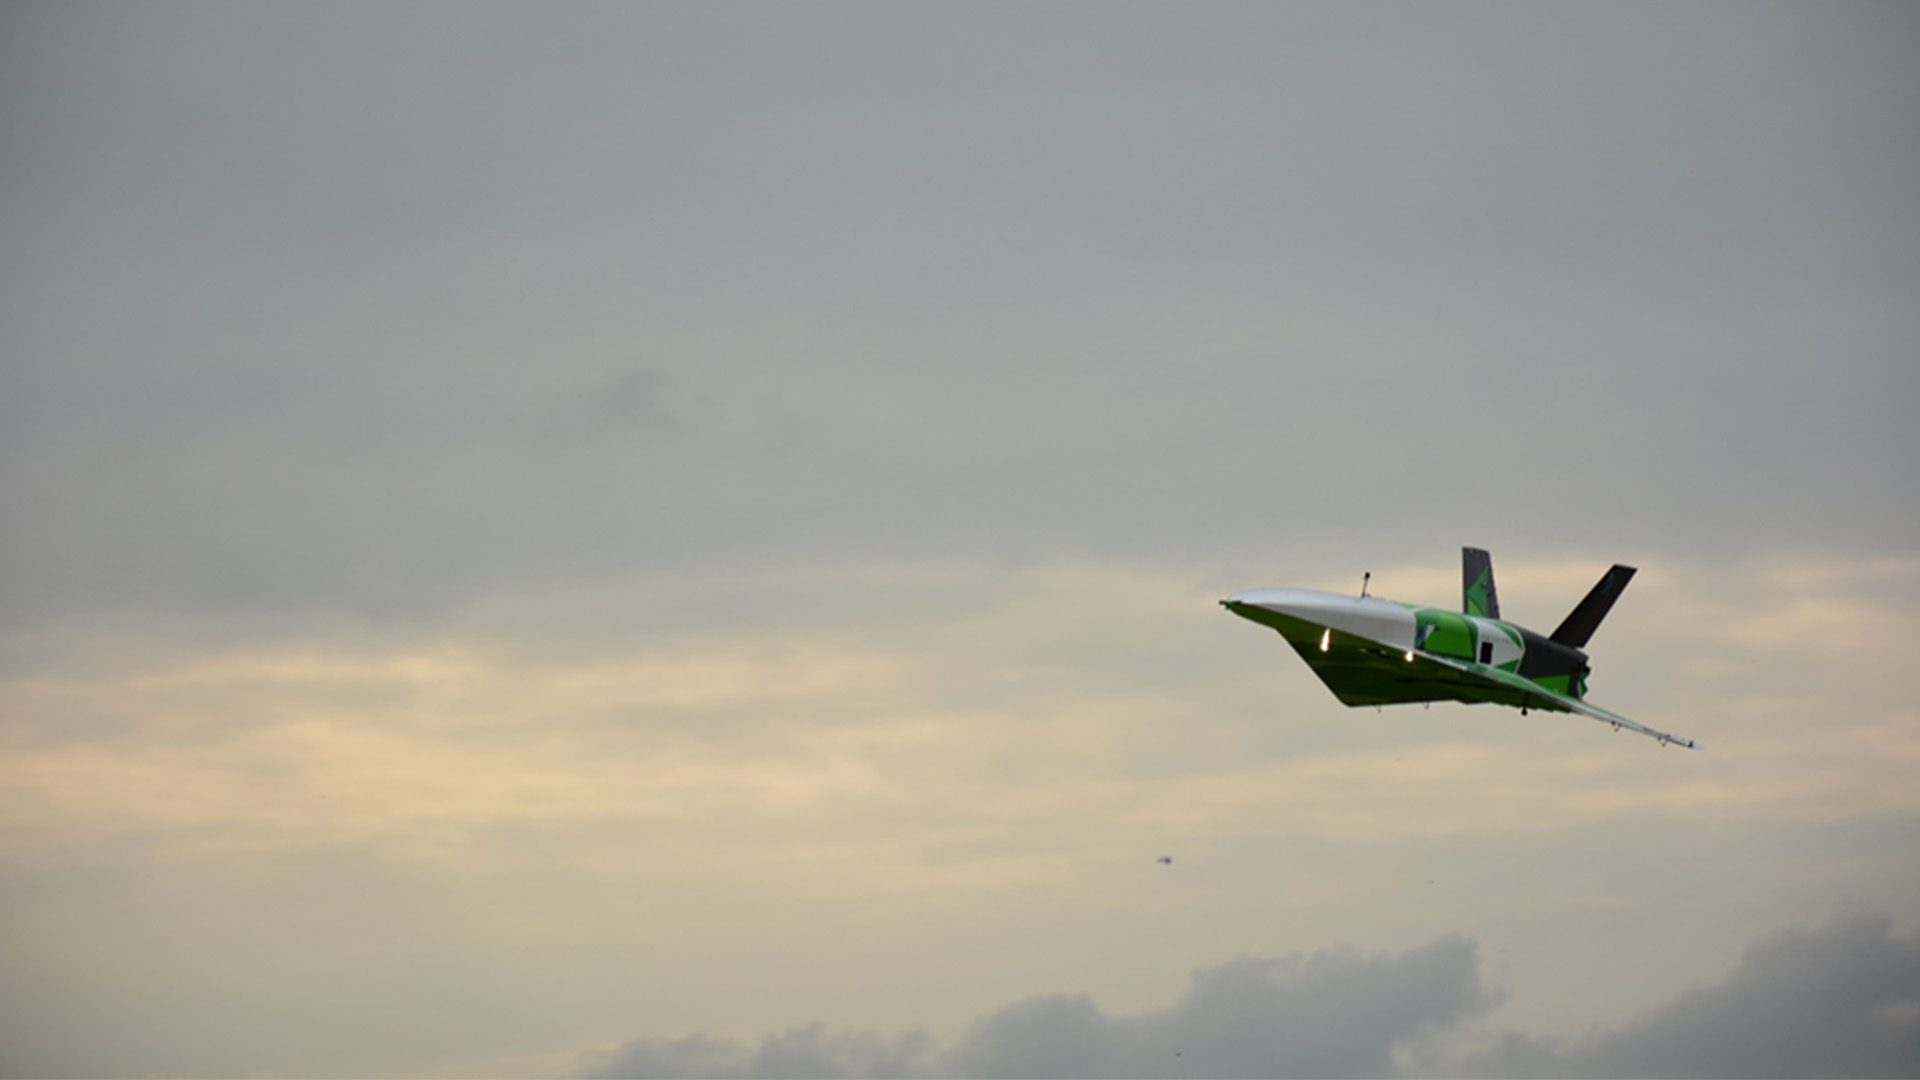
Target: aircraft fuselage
point(1317, 622)
point(1370, 651)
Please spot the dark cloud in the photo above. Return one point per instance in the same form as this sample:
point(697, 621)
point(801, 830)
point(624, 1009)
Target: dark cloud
point(1334, 1013)
point(809, 1051)
point(1842, 1000)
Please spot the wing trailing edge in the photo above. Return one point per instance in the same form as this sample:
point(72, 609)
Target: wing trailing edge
point(1529, 694)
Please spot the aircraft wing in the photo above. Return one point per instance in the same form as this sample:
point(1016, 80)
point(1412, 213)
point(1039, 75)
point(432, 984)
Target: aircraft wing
point(1539, 697)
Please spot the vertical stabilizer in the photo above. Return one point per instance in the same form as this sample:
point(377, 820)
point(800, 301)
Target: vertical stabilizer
point(1476, 584)
point(1585, 619)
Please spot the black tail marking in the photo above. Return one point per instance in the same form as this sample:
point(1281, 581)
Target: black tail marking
point(1579, 625)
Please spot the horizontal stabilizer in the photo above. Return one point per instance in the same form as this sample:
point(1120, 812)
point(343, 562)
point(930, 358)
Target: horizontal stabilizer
point(1578, 627)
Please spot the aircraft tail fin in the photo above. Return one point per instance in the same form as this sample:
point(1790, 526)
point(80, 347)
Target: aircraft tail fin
point(1476, 584)
point(1584, 619)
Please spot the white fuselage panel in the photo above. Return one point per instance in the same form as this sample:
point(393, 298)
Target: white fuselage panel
point(1379, 621)
point(1487, 632)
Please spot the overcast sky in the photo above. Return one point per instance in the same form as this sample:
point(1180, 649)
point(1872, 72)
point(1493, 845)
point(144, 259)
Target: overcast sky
point(643, 538)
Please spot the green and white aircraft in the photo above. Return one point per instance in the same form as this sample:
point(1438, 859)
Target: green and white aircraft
point(1379, 652)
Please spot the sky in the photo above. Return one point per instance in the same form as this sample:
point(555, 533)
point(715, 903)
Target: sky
point(655, 539)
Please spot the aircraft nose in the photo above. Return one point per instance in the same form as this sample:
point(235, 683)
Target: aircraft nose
point(1242, 605)
point(1256, 598)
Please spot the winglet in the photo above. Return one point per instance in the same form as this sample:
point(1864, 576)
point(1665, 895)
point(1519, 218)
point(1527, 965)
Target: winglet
point(1578, 627)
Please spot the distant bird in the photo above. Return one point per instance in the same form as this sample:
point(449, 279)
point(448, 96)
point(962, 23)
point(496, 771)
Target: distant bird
point(1166, 860)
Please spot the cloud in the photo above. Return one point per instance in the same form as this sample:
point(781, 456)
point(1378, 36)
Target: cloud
point(1054, 313)
point(638, 402)
point(733, 500)
point(801, 1052)
point(1332, 1013)
point(945, 775)
point(1841, 1000)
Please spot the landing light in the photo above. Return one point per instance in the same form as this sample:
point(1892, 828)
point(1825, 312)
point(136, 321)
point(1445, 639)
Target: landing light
point(1326, 638)
point(1409, 656)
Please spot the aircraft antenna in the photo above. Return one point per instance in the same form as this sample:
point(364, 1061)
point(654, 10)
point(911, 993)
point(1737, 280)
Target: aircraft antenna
point(1364, 579)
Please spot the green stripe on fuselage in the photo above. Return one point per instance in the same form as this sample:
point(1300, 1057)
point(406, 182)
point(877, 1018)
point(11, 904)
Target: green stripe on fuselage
point(1459, 637)
point(1444, 632)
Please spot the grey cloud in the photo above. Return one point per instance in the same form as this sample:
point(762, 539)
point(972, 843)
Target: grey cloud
point(810, 1051)
point(1157, 261)
point(1333, 1013)
point(637, 402)
point(1842, 1000)
point(1243, 293)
